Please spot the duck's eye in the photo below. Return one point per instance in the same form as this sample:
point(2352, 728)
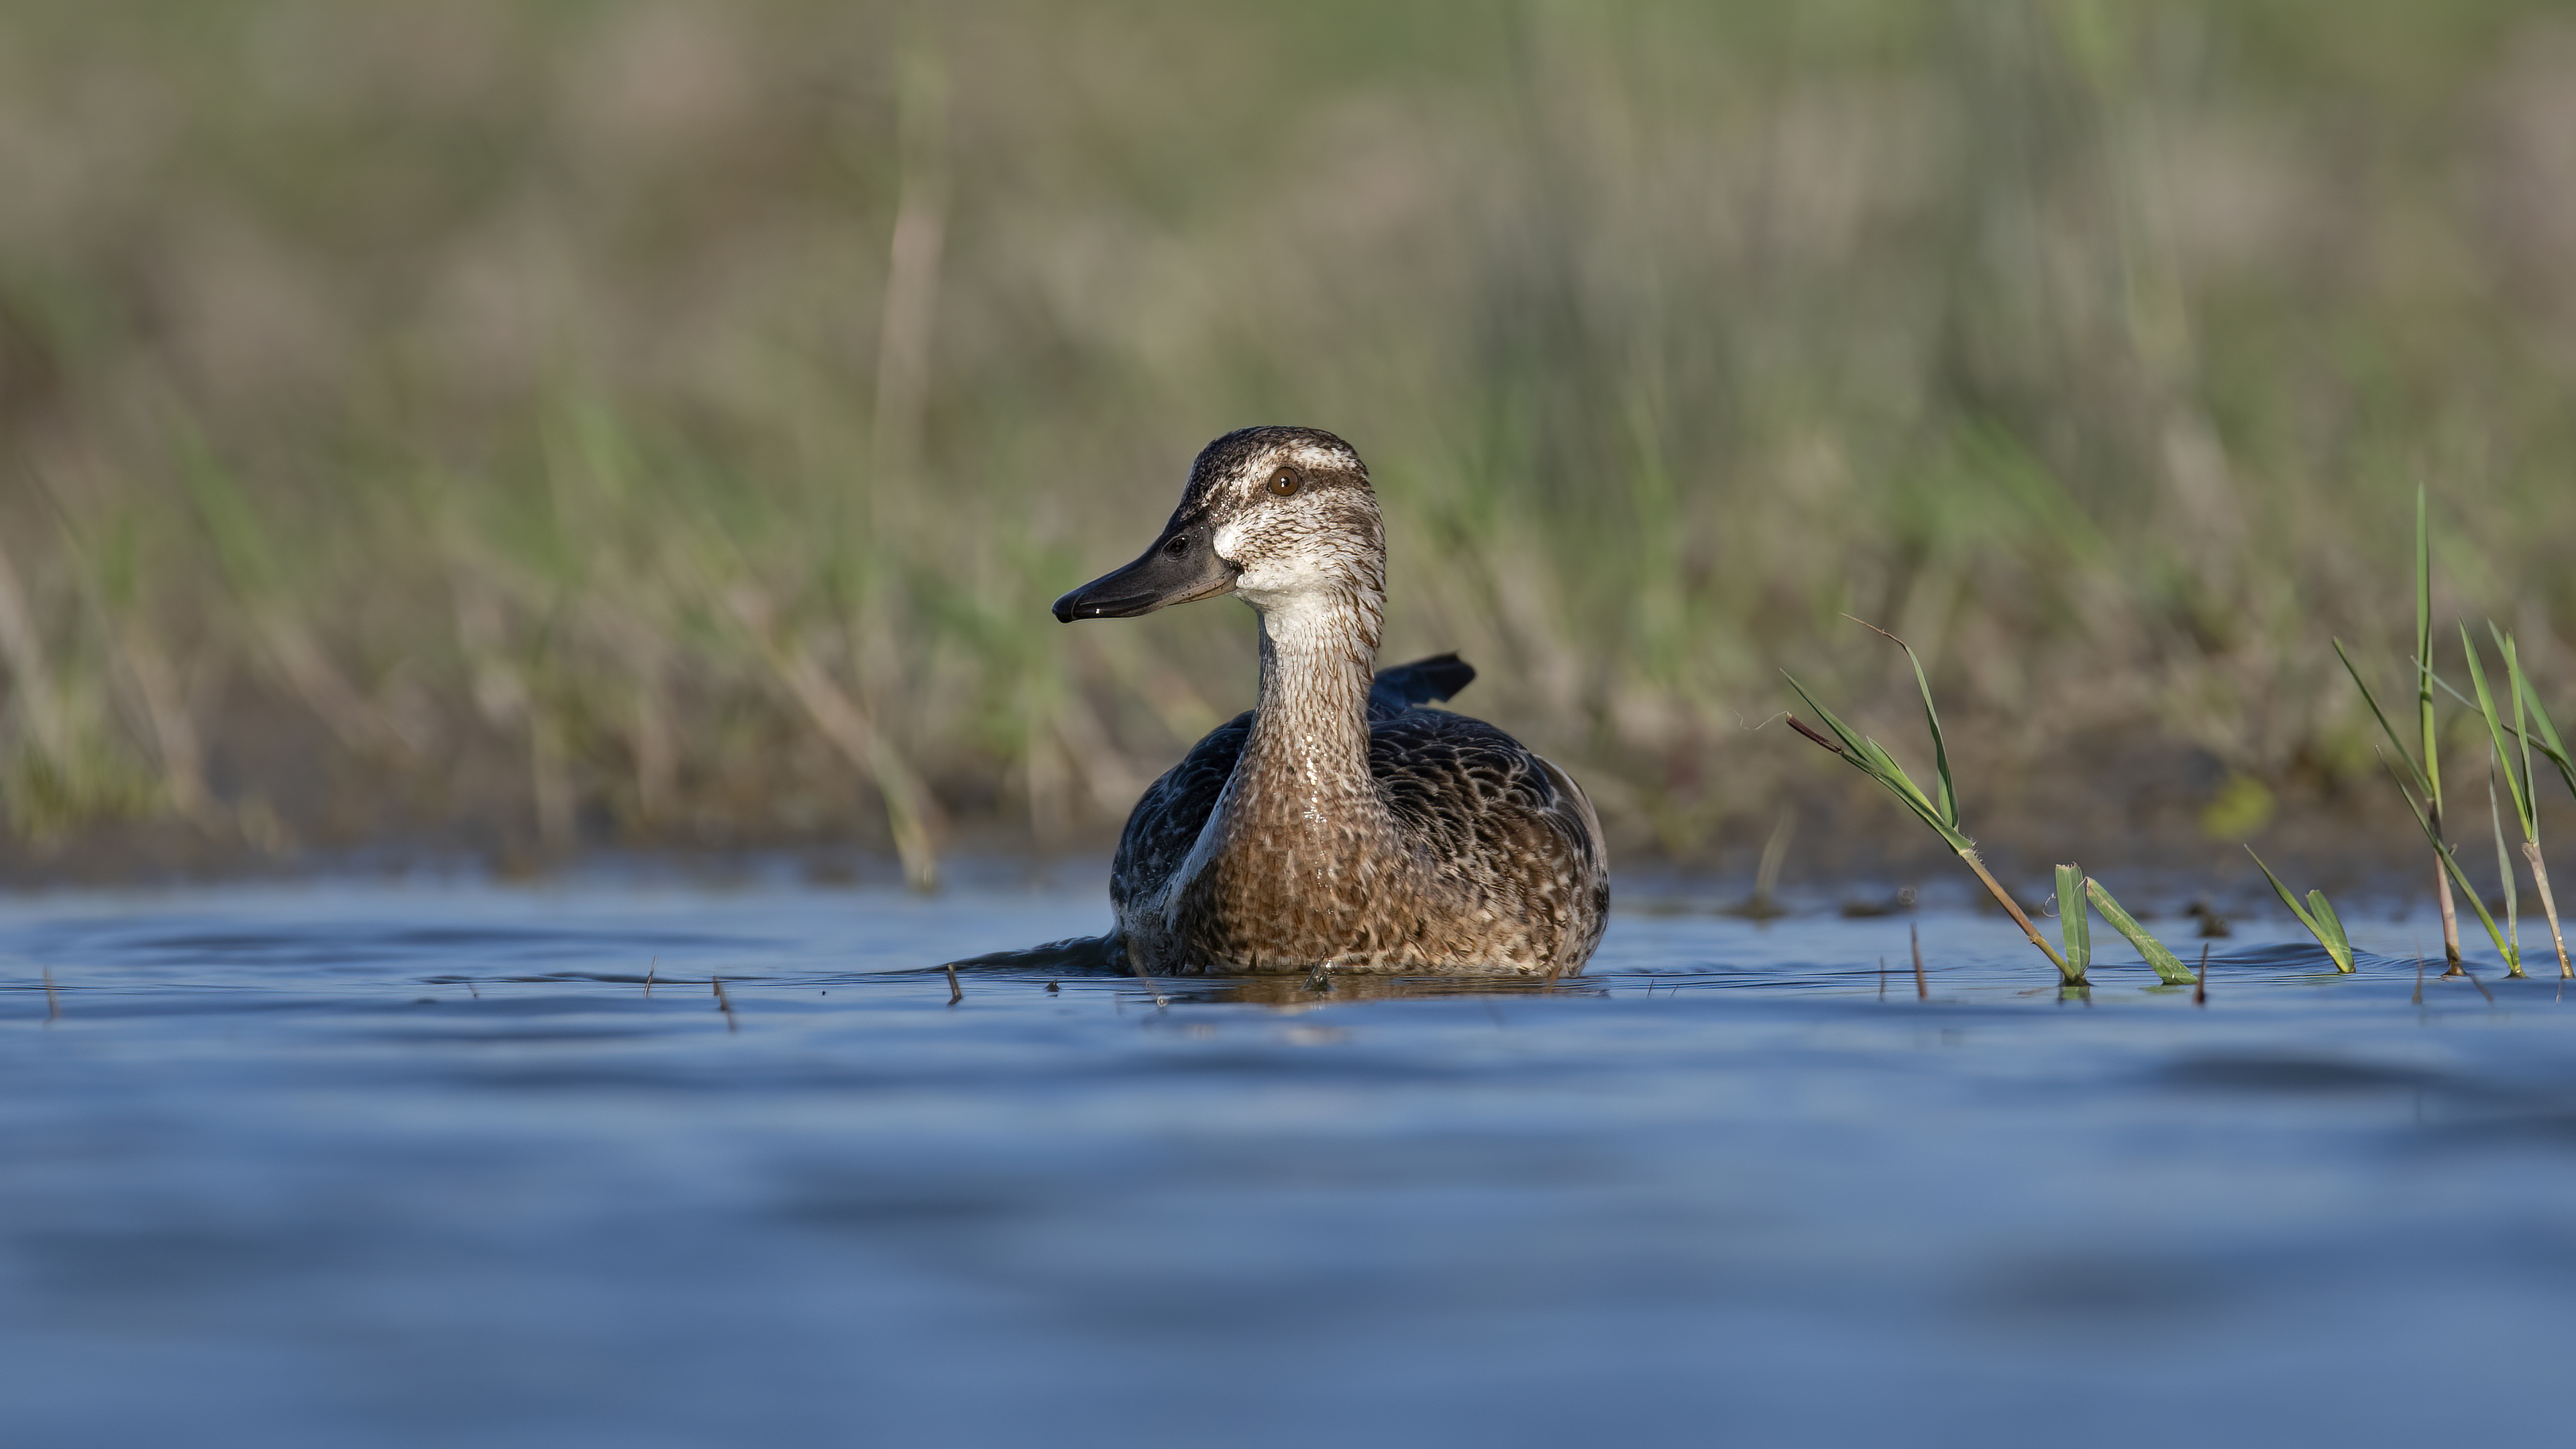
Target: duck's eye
point(1284, 482)
point(1177, 546)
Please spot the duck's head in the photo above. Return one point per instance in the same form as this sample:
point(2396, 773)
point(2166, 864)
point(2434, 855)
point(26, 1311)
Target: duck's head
point(1271, 514)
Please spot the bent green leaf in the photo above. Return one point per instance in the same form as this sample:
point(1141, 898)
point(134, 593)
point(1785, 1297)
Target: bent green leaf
point(2168, 968)
point(2517, 780)
point(2317, 915)
point(2414, 777)
point(1867, 756)
point(2544, 727)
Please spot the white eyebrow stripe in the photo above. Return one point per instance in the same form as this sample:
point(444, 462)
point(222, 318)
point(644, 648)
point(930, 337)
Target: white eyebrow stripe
point(1310, 455)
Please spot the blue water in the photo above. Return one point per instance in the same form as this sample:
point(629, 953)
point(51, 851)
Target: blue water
point(344, 1165)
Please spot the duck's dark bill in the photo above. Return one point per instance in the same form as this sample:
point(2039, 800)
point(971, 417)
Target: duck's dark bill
point(1182, 566)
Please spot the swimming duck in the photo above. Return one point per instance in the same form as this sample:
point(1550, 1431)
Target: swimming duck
point(1338, 825)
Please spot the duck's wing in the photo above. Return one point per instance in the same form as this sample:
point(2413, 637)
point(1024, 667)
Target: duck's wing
point(1424, 681)
point(1497, 818)
point(1167, 820)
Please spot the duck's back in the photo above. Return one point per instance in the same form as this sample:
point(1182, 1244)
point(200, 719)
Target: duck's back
point(1508, 837)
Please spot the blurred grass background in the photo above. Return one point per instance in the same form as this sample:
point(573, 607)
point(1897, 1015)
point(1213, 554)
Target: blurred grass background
point(587, 422)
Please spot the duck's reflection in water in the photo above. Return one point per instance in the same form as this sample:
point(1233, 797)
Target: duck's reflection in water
point(1305, 990)
point(1097, 959)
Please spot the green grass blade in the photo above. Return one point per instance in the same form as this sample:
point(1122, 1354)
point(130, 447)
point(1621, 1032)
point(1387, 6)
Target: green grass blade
point(2328, 927)
point(2287, 899)
point(2431, 762)
point(2546, 730)
point(2504, 867)
point(1949, 799)
point(2168, 968)
point(2486, 704)
point(2074, 923)
point(1940, 745)
point(1861, 750)
point(2447, 687)
point(2421, 785)
point(1866, 755)
point(2521, 730)
point(2316, 915)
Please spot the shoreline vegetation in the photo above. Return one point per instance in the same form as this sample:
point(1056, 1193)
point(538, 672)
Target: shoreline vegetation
point(2418, 780)
point(534, 428)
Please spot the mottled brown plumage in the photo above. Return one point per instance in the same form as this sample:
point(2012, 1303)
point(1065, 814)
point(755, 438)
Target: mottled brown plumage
point(1327, 827)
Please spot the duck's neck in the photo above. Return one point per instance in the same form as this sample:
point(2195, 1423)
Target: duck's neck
point(1304, 774)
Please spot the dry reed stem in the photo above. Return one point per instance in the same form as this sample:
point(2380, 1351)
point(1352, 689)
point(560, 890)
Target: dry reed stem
point(53, 1003)
point(1801, 727)
point(550, 785)
point(22, 650)
point(156, 686)
point(2013, 908)
point(850, 727)
point(309, 671)
point(956, 993)
point(506, 699)
point(2548, 906)
point(724, 1003)
point(1922, 985)
point(911, 298)
point(2200, 979)
point(2450, 913)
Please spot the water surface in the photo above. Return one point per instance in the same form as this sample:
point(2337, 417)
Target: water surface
point(338, 1165)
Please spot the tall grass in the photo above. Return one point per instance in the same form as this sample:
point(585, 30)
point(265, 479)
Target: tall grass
point(2418, 780)
point(2417, 771)
point(669, 422)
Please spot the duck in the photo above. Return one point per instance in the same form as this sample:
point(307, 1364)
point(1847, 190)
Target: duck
point(1342, 824)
